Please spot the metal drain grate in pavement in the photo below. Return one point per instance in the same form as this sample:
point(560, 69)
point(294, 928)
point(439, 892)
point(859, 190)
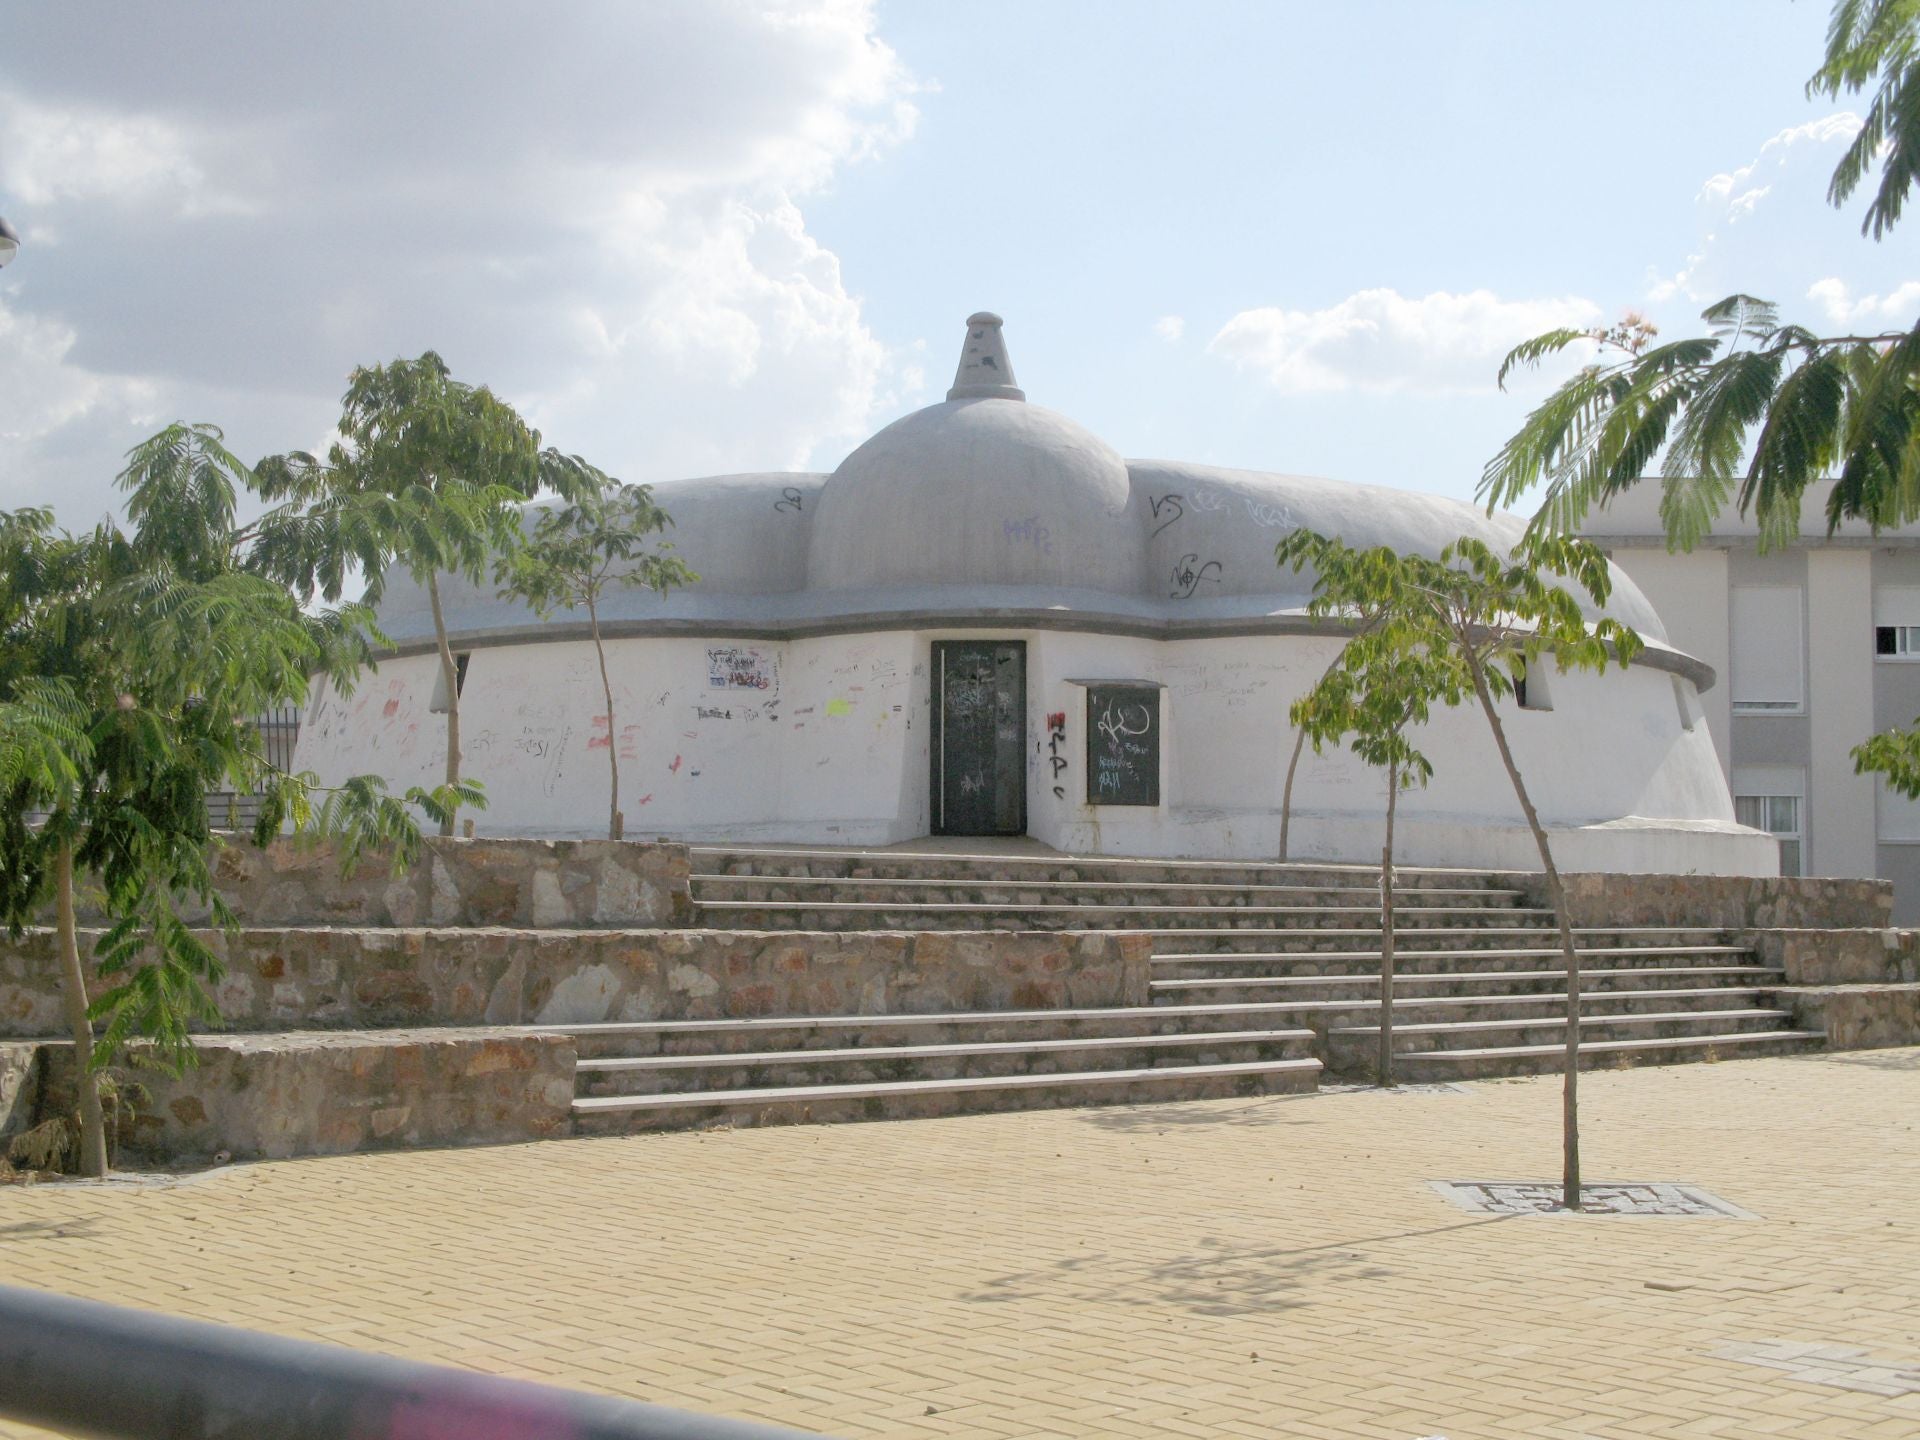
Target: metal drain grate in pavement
point(1611, 1197)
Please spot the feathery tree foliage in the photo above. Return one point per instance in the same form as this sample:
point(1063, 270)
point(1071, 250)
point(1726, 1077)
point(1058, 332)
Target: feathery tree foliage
point(427, 478)
point(1384, 683)
point(579, 550)
point(1470, 622)
point(1759, 408)
point(132, 665)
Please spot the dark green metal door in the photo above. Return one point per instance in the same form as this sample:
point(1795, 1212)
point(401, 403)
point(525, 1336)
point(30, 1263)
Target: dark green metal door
point(979, 737)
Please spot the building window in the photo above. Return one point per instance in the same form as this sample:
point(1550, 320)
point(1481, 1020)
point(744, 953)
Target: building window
point(1898, 816)
point(1897, 642)
point(1779, 816)
point(440, 704)
point(1768, 649)
point(1531, 691)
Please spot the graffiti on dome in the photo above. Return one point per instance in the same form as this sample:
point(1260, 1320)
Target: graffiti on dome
point(1190, 573)
point(1030, 531)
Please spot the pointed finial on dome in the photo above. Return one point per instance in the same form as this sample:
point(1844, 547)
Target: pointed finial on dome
point(985, 373)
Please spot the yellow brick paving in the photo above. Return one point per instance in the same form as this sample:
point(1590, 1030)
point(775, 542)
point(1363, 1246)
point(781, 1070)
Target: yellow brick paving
point(1224, 1268)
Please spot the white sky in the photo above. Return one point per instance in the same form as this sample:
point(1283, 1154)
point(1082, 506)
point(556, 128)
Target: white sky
point(699, 237)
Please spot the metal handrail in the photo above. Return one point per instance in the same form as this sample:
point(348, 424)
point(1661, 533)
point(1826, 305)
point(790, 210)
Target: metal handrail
point(88, 1369)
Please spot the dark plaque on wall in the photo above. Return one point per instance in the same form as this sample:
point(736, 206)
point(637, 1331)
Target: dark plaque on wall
point(1123, 745)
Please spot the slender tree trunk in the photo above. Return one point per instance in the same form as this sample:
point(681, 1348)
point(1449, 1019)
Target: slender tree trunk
point(1286, 791)
point(613, 739)
point(73, 990)
point(1384, 1071)
point(1300, 744)
point(450, 676)
point(1570, 1089)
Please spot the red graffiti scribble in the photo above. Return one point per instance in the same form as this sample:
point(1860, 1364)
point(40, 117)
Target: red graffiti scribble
point(645, 799)
point(674, 768)
point(390, 709)
point(600, 722)
point(599, 742)
point(1057, 720)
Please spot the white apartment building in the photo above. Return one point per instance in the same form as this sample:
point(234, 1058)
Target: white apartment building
point(1817, 646)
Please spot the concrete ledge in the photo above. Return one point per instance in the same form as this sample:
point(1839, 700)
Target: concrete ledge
point(261, 1097)
point(1838, 957)
point(370, 978)
point(1858, 1017)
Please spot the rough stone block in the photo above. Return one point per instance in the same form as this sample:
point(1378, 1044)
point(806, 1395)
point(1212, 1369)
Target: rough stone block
point(1724, 902)
point(373, 978)
point(544, 884)
point(277, 1096)
point(1839, 957)
point(1858, 1017)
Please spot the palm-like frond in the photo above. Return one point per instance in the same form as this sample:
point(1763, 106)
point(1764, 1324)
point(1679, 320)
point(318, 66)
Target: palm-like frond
point(1865, 39)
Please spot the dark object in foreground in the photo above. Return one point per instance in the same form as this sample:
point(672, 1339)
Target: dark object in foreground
point(89, 1369)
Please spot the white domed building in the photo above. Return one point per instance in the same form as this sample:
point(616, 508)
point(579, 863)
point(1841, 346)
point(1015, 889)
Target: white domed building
point(986, 622)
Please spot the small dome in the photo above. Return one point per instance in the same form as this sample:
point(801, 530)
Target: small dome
point(978, 492)
point(984, 489)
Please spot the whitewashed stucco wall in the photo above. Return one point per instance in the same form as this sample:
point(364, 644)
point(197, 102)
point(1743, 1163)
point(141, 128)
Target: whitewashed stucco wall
point(826, 740)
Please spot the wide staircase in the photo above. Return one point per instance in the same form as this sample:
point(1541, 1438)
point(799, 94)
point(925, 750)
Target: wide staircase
point(1260, 977)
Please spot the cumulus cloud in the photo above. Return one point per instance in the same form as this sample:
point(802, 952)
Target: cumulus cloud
point(602, 215)
point(1739, 210)
point(1170, 328)
point(1384, 341)
point(1897, 307)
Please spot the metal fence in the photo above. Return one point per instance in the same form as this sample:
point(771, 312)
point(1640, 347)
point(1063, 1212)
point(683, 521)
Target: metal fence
point(83, 1368)
point(237, 810)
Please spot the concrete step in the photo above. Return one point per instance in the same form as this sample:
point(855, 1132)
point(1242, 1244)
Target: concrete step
point(836, 1032)
point(1488, 1062)
point(1410, 989)
point(1351, 1047)
point(897, 1100)
point(1363, 942)
point(828, 863)
point(835, 915)
point(1484, 967)
point(960, 889)
point(1418, 989)
point(876, 1064)
point(1604, 1004)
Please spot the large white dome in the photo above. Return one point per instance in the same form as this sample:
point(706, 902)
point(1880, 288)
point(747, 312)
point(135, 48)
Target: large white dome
point(987, 509)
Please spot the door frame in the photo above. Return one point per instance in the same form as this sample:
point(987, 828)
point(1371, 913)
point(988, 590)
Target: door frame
point(937, 738)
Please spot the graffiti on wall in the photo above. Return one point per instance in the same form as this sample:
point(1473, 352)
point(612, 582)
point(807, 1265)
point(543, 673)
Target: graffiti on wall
point(1056, 748)
point(742, 667)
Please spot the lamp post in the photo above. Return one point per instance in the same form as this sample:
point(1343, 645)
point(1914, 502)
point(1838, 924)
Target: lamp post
point(9, 242)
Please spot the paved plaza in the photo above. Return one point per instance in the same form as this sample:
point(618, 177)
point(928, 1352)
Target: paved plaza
point(1273, 1267)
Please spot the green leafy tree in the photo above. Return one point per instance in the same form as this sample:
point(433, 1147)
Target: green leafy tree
point(576, 553)
point(1759, 408)
point(132, 665)
point(1480, 623)
point(427, 476)
point(1385, 683)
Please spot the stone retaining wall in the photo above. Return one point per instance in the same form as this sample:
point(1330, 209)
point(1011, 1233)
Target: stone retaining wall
point(344, 979)
point(542, 884)
point(265, 1097)
point(19, 1090)
point(1720, 902)
point(1858, 1017)
point(1839, 957)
